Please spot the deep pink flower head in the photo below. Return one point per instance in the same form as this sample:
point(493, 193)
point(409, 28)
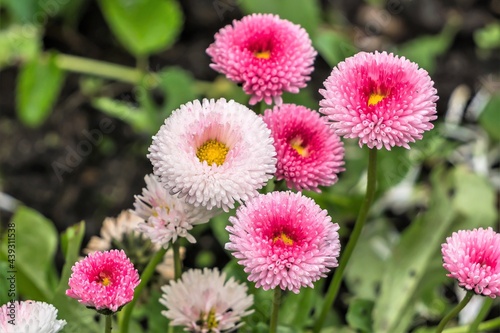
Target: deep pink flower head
point(283, 239)
point(104, 281)
point(310, 154)
point(380, 98)
point(265, 53)
point(473, 258)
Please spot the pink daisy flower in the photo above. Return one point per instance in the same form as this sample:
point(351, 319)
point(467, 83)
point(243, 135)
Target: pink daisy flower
point(167, 217)
point(283, 239)
point(265, 53)
point(204, 301)
point(382, 99)
point(104, 281)
point(309, 153)
point(473, 258)
point(213, 153)
point(29, 317)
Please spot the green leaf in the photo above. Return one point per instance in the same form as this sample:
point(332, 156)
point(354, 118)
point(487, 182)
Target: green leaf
point(19, 43)
point(295, 310)
point(425, 50)
point(38, 86)
point(143, 26)
point(218, 225)
point(359, 314)
point(409, 262)
point(35, 245)
point(78, 317)
point(26, 11)
point(178, 87)
point(137, 118)
point(333, 46)
point(490, 117)
point(156, 321)
point(489, 36)
point(306, 13)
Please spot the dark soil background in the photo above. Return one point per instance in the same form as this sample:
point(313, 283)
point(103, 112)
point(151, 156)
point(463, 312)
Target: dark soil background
point(104, 182)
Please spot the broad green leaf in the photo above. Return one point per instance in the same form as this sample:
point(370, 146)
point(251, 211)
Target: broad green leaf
point(295, 310)
point(38, 86)
point(26, 11)
point(392, 167)
point(474, 200)
point(409, 262)
point(19, 43)
point(306, 13)
point(143, 26)
point(359, 314)
point(218, 225)
point(490, 117)
point(371, 253)
point(156, 321)
point(178, 87)
point(35, 245)
point(78, 317)
point(333, 47)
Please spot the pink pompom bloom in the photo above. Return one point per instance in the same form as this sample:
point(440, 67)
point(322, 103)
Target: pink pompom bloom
point(29, 317)
point(283, 239)
point(265, 53)
point(167, 217)
point(473, 258)
point(104, 281)
point(213, 153)
point(380, 98)
point(203, 302)
point(309, 153)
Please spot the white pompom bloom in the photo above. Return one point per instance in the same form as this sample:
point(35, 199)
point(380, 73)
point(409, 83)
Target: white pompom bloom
point(213, 153)
point(167, 217)
point(203, 301)
point(29, 317)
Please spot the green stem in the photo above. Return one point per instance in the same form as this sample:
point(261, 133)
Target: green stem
point(486, 326)
point(145, 277)
point(98, 68)
point(485, 309)
point(107, 328)
point(177, 260)
point(273, 325)
point(454, 311)
point(334, 287)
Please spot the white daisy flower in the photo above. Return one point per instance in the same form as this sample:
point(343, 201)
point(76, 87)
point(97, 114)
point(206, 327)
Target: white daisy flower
point(29, 317)
point(213, 153)
point(203, 301)
point(167, 217)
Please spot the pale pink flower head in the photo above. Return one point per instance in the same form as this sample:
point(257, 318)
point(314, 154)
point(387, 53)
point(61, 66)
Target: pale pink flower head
point(204, 301)
point(309, 153)
point(283, 239)
point(473, 258)
point(104, 281)
point(382, 99)
point(29, 317)
point(166, 216)
point(213, 153)
point(268, 55)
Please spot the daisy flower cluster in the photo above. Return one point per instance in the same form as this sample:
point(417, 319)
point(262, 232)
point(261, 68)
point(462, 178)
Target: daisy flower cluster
point(211, 156)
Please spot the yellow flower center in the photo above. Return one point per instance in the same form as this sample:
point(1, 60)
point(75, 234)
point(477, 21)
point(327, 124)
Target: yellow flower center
point(266, 54)
point(296, 144)
point(212, 151)
point(375, 98)
point(284, 238)
point(104, 279)
point(208, 322)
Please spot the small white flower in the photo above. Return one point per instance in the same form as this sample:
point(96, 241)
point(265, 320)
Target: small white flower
point(213, 153)
point(203, 301)
point(167, 217)
point(29, 317)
